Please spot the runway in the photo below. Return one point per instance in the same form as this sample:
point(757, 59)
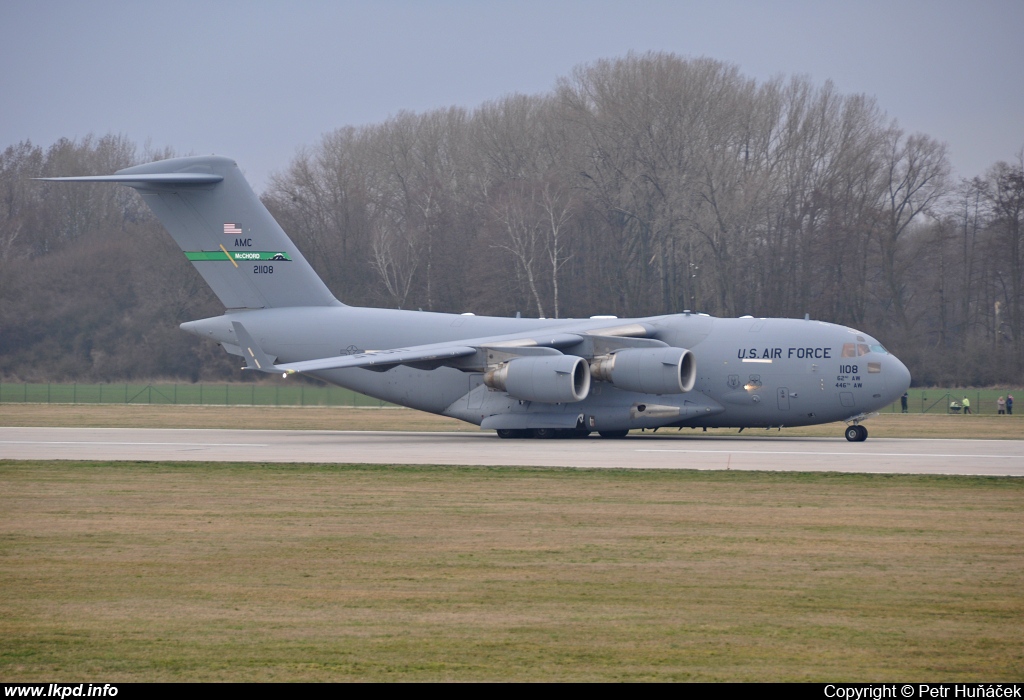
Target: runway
point(768, 453)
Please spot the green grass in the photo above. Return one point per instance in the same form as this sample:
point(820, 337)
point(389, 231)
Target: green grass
point(222, 394)
point(237, 572)
point(296, 393)
point(283, 393)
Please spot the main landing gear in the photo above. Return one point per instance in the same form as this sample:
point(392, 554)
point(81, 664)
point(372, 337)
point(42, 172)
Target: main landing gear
point(540, 433)
point(547, 433)
point(856, 433)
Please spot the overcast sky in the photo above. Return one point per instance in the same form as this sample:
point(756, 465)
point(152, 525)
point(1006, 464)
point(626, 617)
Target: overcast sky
point(258, 80)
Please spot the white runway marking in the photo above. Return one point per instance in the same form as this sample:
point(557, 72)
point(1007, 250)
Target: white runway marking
point(104, 442)
point(837, 454)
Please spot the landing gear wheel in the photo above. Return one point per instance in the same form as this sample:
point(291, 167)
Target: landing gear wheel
point(544, 433)
point(613, 434)
point(856, 433)
point(509, 433)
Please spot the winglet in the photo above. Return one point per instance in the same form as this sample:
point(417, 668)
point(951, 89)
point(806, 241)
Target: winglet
point(254, 356)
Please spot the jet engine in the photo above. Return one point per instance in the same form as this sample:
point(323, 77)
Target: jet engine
point(648, 370)
point(547, 379)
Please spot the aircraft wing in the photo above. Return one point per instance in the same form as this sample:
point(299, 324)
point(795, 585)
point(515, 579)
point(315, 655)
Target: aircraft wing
point(432, 355)
point(382, 359)
point(257, 359)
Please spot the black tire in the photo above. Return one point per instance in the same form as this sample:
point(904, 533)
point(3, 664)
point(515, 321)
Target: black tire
point(853, 433)
point(572, 433)
point(544, 433)
point(613, 434)
point(509, 433)
point(862, 433)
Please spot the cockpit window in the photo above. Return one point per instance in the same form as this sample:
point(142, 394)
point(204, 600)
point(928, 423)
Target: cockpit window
point(879, 349)
point(855, 349)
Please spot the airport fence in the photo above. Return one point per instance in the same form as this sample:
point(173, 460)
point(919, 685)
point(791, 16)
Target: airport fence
point(226, 394)
point(934, 400)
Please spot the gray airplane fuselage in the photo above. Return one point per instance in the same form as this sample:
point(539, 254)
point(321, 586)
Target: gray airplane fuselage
point(750, 372)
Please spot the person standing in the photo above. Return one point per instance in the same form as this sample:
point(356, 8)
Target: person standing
point(1009, 404)
point(966, 403)
point(1001, 406)
point(903, 402)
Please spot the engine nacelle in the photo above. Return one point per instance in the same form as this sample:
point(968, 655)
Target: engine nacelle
point(546, 379)
point(648, 370)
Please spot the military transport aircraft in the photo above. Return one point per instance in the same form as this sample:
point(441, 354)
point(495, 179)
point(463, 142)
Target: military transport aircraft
point(521, 377)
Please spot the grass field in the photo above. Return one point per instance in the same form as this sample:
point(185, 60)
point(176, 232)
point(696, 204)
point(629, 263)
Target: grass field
point(270, 393)
point(146, 571)
point(341, 418)
point(150, 571)
point(275, 392)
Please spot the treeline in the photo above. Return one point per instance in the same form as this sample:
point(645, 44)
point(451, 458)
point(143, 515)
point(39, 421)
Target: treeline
point(91, 286)
point(643, 185)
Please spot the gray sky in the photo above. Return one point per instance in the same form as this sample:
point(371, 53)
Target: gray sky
point(258, 80)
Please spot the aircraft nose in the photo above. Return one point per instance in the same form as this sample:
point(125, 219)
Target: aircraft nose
point(897, 377)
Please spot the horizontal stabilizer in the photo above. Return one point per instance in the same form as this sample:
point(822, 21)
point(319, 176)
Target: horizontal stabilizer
point(143, 180)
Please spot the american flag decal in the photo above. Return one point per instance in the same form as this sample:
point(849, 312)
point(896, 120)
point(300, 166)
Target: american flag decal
point(232, 230)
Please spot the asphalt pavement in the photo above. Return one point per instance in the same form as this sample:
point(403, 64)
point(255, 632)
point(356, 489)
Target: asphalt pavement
point(771, 452)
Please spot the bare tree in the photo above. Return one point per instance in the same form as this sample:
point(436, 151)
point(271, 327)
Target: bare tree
point(1006, 195)
point(321, 199)
point(557, 209)
point(395, 259)
point(915, 179)
point(518, 213)
point(19, 198)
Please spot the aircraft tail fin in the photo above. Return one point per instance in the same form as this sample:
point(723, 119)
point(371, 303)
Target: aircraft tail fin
point(223, 228)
